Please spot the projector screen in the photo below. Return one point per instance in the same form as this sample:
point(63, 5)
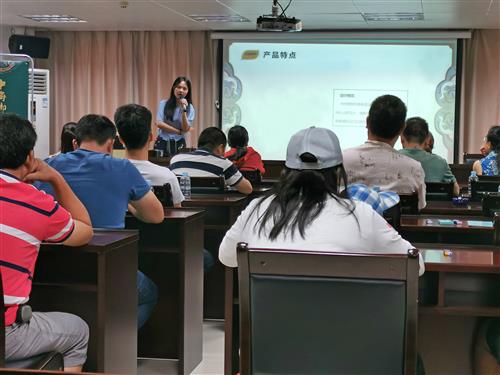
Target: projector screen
point(275, 89)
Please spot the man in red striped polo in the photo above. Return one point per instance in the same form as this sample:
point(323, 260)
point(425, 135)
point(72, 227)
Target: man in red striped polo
point(28, 217)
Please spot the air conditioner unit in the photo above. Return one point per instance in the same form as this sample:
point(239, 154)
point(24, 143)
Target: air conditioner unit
point(40, 110)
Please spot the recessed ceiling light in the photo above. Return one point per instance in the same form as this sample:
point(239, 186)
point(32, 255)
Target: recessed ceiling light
point(52, 18)
point(393, 16)
point(218, 18)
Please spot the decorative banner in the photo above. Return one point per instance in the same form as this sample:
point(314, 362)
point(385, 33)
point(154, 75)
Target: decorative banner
point(14, 80)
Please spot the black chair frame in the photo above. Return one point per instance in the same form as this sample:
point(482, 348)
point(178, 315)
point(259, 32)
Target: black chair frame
point(439, 191)
point(203, 185)
point(164, 194)
point(409, 203)
point(274, 262)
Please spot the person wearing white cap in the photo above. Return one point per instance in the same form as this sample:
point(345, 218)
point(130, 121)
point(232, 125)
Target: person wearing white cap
point(305, 210)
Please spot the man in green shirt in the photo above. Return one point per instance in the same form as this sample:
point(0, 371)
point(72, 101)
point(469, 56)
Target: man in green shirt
point(435, 167)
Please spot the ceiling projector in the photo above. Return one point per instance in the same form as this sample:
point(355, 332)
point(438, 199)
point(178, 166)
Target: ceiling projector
point(271, 23)
point(275, 22)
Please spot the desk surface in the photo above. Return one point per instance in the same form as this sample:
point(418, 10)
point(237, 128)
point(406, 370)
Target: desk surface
point(103, 240)
point(461, 258)
point(447, 208)
point(222, 199)
point(182, 213)
point(430, 223)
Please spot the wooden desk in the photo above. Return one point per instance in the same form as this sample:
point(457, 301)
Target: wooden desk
point(221, 211)
point(164, 161)
point(465, 281)
point(426, 228)
point(456, 291)
point(259, 191)
point(448, 208)
point(97, 282)
point(170, 254)
point(463, 284)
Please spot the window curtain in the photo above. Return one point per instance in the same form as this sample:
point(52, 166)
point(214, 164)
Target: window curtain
point(480, 102)
point(95, 72)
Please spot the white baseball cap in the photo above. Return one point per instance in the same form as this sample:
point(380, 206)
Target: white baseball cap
point(322, 143)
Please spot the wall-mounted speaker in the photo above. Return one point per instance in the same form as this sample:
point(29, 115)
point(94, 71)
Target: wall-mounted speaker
point(34, 46)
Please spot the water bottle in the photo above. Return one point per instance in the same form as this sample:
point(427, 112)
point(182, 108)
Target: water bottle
point(472, 177)
point(185, 182)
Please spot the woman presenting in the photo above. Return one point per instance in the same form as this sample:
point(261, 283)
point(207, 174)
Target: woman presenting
point(174, 117)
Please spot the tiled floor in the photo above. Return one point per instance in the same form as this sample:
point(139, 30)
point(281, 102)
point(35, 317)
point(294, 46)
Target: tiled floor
point(213, 355)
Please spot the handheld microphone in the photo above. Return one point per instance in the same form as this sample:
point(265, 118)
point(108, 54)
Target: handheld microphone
point(184, 106)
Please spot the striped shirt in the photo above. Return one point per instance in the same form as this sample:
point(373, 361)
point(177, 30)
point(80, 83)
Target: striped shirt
point(27, 217)
point(204, 163)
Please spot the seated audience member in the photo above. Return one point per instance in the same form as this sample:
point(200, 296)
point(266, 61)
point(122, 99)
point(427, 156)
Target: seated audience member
point(133, 122)
point(429, 143)
point(377, 199)
point(485, 147)
point(244, 157)
point(106, 186)
point(376, 162)
point(306, 203)
point(488, 166)
point(68, 137)
point(208, 161)
point(28, 217)
point(436, 168)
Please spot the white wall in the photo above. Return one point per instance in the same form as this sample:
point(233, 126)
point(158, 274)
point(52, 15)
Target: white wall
point(5, 32)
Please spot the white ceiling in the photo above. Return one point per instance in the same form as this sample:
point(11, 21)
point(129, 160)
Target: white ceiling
point(315, 14)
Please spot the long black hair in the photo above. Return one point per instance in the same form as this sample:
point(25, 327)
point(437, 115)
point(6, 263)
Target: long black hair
point(68, 135)
point(493, 137)
point(238, 138)
point(299, 198)
point(168, 112)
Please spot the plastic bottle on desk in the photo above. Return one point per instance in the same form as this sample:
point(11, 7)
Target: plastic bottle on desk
point(185, 182)
point(472, 177)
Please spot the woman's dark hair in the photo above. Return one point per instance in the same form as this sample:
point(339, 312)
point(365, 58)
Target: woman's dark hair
point(238, 138)
point(168, 112)
point(493, 137)
point(68, 134)
point(300, 196)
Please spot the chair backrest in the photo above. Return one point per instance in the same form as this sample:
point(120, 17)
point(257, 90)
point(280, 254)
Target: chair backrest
point(439, 191)
point(489, 178)
point(253, 176)
point(393, 216)
point(185, 150)
point(164, 194)
point(409, 203)
point(471, 158)
point(202, 185)
point(491, 204)
point(307, 312)
point(479, 188)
